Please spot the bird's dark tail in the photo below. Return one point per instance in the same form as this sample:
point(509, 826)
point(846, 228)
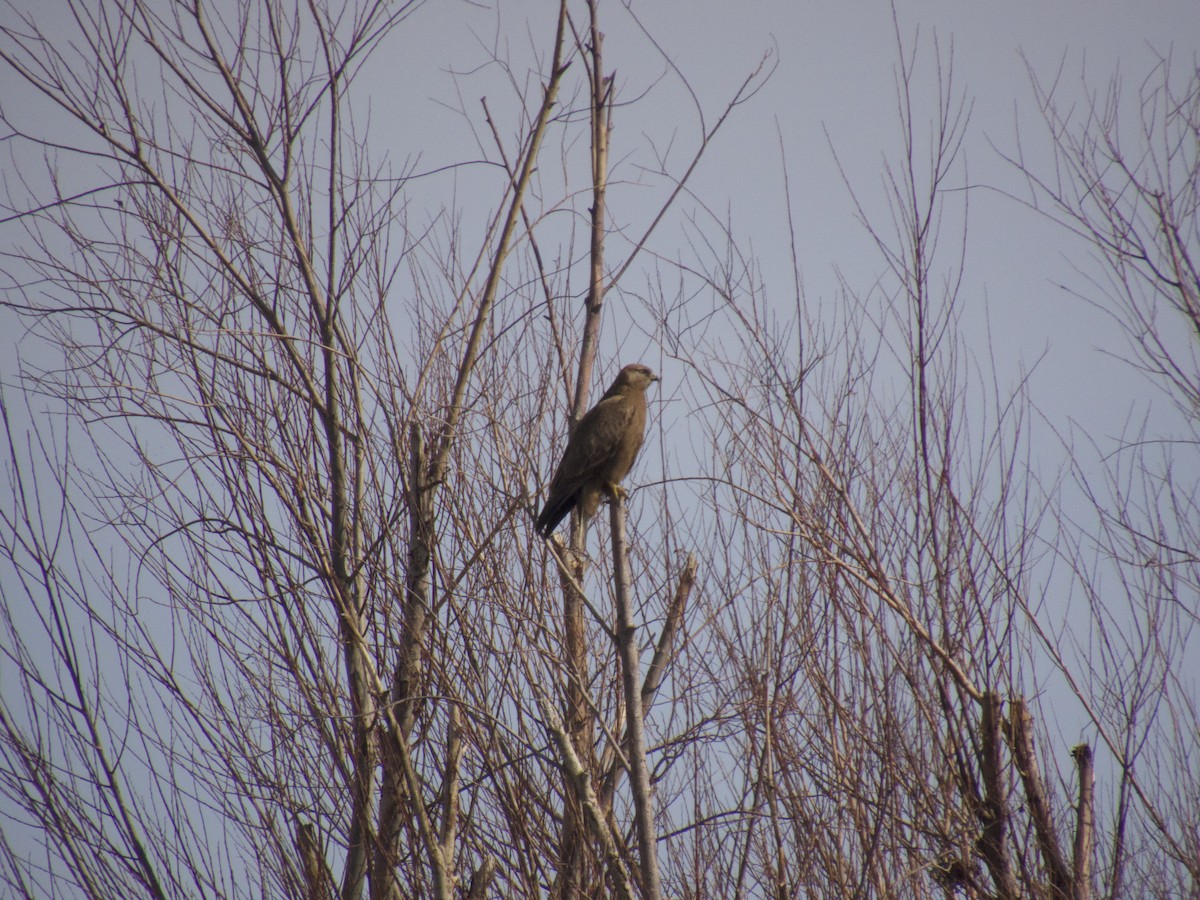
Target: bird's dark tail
point(550, 516)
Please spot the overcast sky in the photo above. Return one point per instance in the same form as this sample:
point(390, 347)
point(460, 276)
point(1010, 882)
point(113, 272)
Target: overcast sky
point(833, 89)
point(832, 92)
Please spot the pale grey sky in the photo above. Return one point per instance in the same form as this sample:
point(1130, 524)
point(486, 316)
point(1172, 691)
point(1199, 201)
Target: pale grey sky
point(832, 94)
point(833, 90)
point(834, 76)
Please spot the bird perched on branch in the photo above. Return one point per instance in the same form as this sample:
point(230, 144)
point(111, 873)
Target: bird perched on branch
point(601, 450)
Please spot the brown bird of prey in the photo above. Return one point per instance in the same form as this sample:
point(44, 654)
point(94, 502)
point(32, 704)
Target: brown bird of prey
point(601, 450)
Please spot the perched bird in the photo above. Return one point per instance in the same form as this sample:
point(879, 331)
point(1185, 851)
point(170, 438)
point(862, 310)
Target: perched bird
point(601, 450)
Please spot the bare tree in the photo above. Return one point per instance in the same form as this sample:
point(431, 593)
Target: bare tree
point(296, 563)
point(233, 278)
point(881, 612)
point(276, 621)
point(1132, 192)
point(1126, 180)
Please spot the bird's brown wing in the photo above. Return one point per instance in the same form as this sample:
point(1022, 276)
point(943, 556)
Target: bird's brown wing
point(589, 452)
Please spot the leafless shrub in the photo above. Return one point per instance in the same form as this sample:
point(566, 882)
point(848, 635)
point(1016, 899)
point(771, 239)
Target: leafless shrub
point(275, 621)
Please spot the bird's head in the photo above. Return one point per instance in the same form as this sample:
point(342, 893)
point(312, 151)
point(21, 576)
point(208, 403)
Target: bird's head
point(635, 375)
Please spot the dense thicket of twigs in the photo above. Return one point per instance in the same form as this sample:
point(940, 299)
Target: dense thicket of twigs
point(275, 619)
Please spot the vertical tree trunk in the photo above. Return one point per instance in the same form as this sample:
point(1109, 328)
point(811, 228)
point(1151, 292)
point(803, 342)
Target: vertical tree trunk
point(635, 738)
point(993, 809)
point(574, 874)
point(1081, 883)
point(1021, 741)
